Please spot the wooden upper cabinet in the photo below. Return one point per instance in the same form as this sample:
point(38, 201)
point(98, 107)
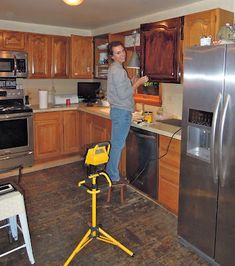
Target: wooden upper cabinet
point(161, 50)
point(81, 57)
point(205, 23)
point(12, 40)
point(39, 56)
point(60, 57)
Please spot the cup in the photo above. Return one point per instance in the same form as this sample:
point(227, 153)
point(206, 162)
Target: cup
point(68, 102)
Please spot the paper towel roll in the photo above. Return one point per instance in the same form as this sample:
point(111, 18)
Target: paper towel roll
point(43, 95)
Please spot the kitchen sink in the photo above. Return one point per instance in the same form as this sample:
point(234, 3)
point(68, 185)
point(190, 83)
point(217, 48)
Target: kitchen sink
point(173, 122)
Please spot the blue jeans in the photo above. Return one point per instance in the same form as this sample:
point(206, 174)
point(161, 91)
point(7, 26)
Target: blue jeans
point(121, 122)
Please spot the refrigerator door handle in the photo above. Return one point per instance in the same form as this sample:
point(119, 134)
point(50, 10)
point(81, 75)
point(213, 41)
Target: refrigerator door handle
point(214, 163)
point(221, 137)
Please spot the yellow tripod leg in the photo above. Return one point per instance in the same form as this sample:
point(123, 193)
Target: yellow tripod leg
point(110, 239)
point(85, 240)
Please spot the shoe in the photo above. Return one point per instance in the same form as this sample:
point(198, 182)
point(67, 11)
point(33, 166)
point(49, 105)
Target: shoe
point(117, 182)
point(121, 181)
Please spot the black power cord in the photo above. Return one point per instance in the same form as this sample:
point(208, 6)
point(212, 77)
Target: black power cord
point(168, 146)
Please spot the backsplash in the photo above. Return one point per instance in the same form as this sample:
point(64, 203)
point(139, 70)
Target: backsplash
point(172, 94)
point(61, 86)
point(172, 99)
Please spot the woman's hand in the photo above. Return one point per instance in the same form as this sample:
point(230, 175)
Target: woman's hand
point(142, 80)
point(139, 82)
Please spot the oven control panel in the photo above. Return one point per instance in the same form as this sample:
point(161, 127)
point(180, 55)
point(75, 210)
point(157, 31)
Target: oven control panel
point(11, 94)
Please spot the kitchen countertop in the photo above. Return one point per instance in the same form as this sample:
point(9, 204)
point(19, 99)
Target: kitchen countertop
point(156, 127)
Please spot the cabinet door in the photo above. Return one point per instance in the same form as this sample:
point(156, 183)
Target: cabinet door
point(70, 132)
point(13, 40)
point(39, 54)
point(100, 66)
point(47, 135)
point(99, 129)
point(169, 168)
point(81, 57)
point(161, 50)
point(86, 131)
point(205, 23)
point(60, 57)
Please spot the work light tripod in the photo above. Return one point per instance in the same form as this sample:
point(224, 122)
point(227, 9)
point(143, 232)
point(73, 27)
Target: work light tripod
point(96, 156)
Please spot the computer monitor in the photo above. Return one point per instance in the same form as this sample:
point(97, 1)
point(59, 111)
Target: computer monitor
point(88, 91)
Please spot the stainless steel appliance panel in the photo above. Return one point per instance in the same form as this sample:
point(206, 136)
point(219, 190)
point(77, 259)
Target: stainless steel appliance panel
point(203, 77)
point(141, 160)
point(225, 240)
point(16, 130)
point(203, 82)
point(13, 64)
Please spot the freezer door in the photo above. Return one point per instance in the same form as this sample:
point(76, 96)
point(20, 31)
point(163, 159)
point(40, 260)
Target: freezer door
point(203, 82)
point(225, 240)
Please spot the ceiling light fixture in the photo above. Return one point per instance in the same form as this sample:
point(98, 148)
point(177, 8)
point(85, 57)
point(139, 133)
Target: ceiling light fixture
point(73, 2)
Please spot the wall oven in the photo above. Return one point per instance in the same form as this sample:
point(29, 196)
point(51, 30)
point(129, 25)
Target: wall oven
point(13, 64)
point(16, 127)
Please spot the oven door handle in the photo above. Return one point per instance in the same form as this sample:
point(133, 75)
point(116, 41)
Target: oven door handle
point(12, 156)
point(15, 115)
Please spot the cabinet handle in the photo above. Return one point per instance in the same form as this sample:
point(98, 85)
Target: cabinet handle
point(88, 69)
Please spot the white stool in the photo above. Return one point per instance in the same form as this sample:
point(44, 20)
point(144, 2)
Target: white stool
point(11, 205)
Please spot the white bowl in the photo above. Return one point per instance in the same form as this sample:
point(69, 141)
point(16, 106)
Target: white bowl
point(103, 46)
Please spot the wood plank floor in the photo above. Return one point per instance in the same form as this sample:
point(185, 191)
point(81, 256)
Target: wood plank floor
point(58, 212)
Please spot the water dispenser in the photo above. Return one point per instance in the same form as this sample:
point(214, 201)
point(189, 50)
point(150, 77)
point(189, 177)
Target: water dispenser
point(199, 134)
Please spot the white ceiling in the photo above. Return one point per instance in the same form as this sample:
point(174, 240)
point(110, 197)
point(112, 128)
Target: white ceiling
point(91, 14)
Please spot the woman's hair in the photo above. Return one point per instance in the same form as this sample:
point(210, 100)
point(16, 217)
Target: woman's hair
point(113, 44)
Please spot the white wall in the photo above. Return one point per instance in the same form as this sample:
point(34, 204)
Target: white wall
point(39, 28)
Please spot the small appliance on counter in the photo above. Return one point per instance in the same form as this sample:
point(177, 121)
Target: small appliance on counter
point(88, 91)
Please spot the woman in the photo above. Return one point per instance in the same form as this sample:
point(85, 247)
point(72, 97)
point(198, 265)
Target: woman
point(120, 92)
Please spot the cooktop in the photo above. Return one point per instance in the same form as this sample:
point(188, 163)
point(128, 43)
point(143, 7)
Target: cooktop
point(173, 122)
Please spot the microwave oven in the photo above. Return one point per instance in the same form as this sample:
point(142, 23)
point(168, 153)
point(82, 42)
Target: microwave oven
point(13, 64)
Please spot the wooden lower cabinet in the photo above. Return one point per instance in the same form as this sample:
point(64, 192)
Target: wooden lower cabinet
point(95, 129)
point(169, 170)
point(71, 130)
point(55, 134)
point(47, 135)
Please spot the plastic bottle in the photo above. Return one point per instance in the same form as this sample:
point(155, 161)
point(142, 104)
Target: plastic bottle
point(52, 95)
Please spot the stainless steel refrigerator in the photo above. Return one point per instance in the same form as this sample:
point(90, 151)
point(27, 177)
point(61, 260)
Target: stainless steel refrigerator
point(206, 219)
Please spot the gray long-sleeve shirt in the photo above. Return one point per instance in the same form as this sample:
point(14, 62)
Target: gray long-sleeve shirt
point(119, 88)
